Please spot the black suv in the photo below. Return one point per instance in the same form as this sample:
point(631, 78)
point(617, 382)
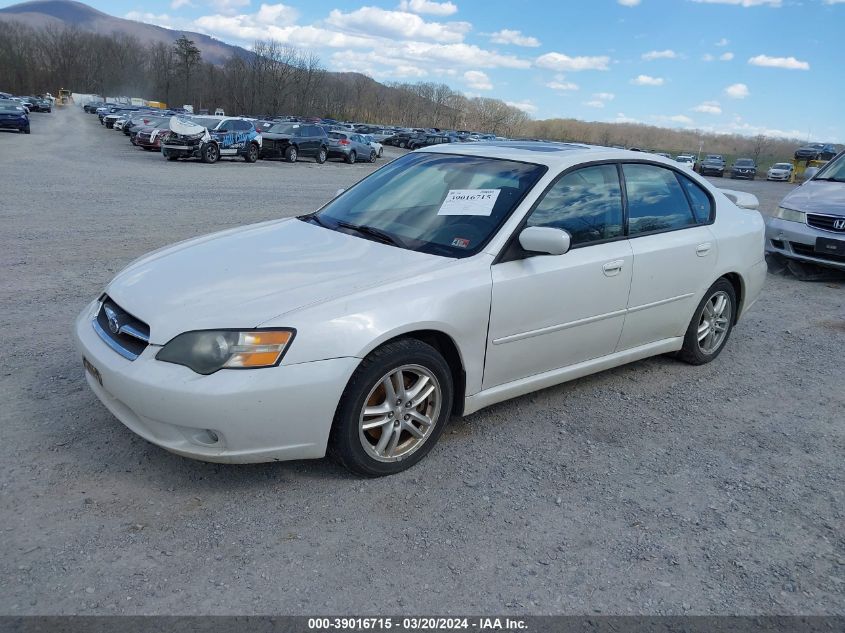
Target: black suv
point(431, 139)
point(292, 140)
point(712, 165)
point(816, 151)
point(744, 168)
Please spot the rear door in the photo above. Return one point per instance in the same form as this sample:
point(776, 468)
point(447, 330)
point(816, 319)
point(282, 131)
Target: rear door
point(674, 252)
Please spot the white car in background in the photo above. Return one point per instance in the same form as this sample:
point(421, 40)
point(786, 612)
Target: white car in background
point(372, 142)
point(780, 171)
point(686, 160)
point(450, 279)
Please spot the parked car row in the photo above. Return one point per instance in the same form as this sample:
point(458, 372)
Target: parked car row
point(15, 111)
point(179, 135)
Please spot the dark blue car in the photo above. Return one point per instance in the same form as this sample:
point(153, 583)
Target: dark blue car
point(14, 118)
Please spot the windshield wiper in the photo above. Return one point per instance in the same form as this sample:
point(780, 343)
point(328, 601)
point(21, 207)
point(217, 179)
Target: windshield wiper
point(370, 231)
point(313, 217)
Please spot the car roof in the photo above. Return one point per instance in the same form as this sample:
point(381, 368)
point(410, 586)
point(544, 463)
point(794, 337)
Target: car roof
point(556, 155)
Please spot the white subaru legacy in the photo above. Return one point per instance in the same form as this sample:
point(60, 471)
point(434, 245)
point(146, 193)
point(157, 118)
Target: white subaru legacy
point(450, 279)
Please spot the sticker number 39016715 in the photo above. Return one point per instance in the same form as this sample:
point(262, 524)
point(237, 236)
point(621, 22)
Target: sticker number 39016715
point(469, 202)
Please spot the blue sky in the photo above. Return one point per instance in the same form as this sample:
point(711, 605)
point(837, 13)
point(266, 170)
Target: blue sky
point(746, 66)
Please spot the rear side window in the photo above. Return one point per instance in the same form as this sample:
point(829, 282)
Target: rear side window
point(656, 201)
point(587, 203)
point(702, 207)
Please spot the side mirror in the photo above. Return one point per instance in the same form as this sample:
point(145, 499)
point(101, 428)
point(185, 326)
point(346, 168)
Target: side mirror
point(545, 240)
point(338, 192)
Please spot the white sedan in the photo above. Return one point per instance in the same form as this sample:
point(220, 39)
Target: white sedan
point(450, 279)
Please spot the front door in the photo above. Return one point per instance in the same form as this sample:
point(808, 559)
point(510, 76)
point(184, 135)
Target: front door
point(550, 311)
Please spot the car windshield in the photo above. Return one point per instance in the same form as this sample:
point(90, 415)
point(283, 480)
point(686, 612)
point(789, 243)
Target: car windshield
point(284, 128)
point(443, 204)
point(713, 158)
point(833, 171)
point(745, 162)
point(781, 166)
point(206, 122)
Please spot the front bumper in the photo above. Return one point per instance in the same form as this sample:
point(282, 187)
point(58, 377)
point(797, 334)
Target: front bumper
point(796, 240)
point(712, 171)
point(738, 175)
point(14, 125)
point(270, 414)
point(180, 151)
point(781, 177)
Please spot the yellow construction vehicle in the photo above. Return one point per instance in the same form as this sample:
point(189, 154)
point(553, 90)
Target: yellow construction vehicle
point(64, 97)
point(800, 166)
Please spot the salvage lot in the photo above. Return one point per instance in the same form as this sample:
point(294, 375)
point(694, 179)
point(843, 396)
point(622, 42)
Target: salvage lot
point(653, 488)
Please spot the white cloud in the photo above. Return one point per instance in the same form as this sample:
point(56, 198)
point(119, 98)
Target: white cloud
point(373, 21)
point(478, 80)
point(621, 118)
point(722, 42)
point(737, 91)
point(744, 3)
point(647, 80)
point(506, 36)
point(709, 107)
point(178, 4)
point(560, 83)
point(561, 62)
point(629, 3)
point(604, 96)
point(726, 57)
point(652, 55)
point(595, 103)
point(428, 7)
point(680, 118)
point(229, 6)
point(789, 63)
point(834, 1)
point(160, 19)
point(526, 106)
point(707, 57)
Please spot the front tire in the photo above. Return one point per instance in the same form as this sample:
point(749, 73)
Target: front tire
point(210, 153)
point(291, 154)
point(322, 155)
point(711, 325)
point(393, 410)
point(373, 156)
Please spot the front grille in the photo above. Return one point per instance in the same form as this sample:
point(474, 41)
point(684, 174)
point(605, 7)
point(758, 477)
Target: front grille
point(125, 334)
point(809, 251)
point(825, 222)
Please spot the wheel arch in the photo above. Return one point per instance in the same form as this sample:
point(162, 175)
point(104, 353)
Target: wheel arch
point(738, 284)
point(447, 347)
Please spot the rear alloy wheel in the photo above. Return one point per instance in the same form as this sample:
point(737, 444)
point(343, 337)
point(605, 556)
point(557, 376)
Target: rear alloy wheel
point(373, 156)
point(291, 154)
point(210, 153)
point(402, 144)
point(351, 157)
point(322, 155)
point(251, 153)
point(393, 409)
point(711, 325)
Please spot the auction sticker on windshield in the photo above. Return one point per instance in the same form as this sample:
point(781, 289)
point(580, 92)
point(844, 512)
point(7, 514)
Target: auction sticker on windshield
point(469, 202)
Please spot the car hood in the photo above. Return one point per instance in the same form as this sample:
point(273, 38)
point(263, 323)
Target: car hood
point(244, 277)
point(817, 196)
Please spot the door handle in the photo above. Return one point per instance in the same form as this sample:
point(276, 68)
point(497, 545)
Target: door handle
point(702, 249)
point(613, 268)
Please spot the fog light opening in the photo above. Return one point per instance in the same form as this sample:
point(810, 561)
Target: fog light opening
point(207, 437)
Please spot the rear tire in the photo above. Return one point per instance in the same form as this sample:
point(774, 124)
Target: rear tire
point(322, 155)
point(373, 156)
point(402, 144)
point(366, 451)
point(291, 154)
point(251, 153)
point(711, 324)
point(209, 153)
point(351, 157)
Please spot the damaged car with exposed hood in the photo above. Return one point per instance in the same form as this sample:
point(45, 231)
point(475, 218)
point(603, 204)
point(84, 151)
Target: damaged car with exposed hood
point(209, 138)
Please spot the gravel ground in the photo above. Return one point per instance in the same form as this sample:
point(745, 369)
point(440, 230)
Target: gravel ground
point(650, 489)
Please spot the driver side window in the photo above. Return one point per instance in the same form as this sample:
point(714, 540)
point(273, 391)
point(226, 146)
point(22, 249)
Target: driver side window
point(587, 203)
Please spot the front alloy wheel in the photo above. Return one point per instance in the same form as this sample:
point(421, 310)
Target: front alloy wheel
point(210, 153)
point(393, 409)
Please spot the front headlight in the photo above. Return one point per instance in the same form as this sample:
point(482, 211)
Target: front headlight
point(207, 351)
point(791, 215)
